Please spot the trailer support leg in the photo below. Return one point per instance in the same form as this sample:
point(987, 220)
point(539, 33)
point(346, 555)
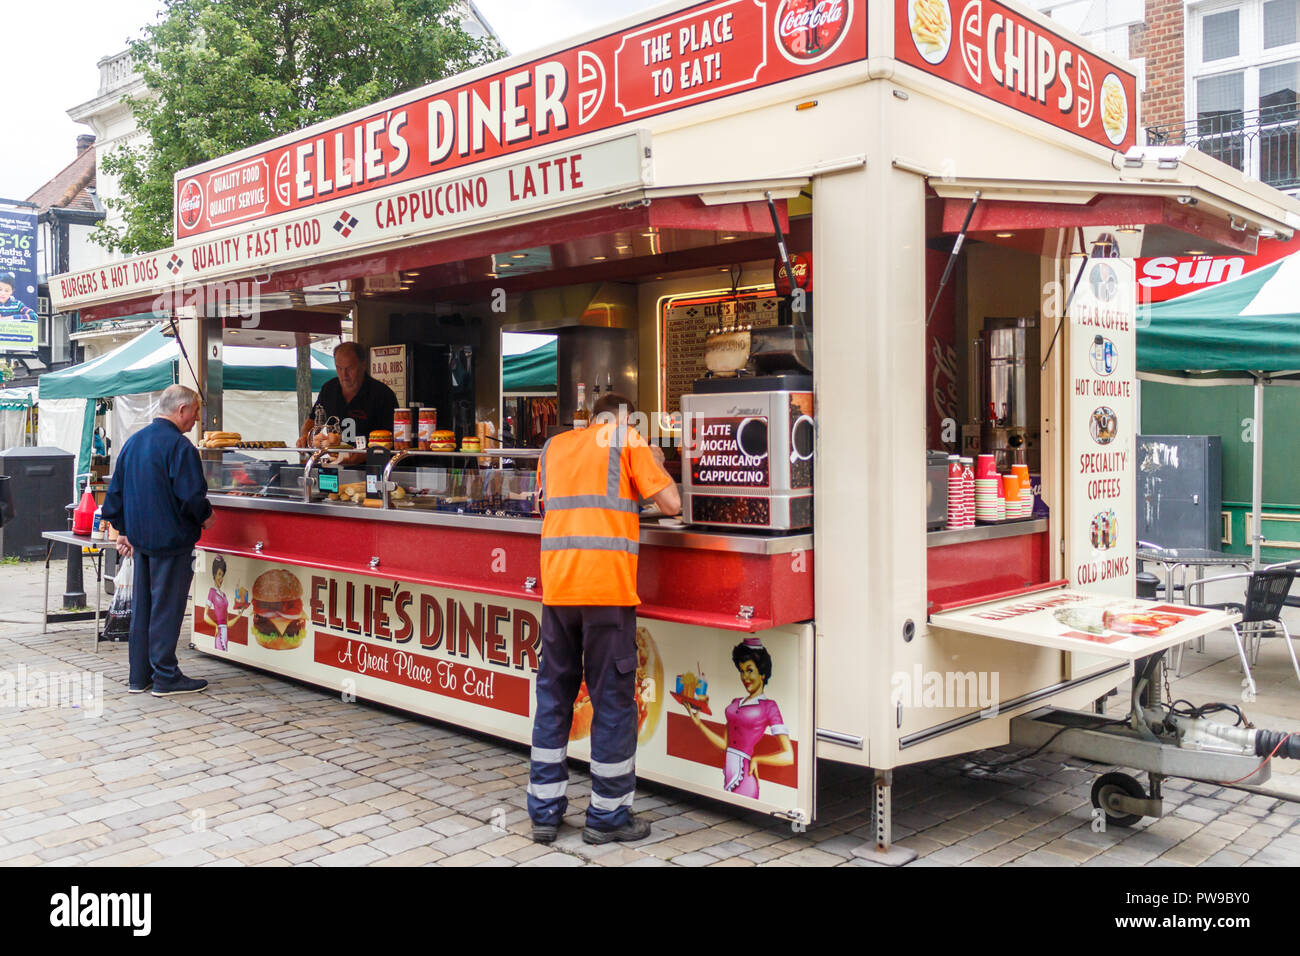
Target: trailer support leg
point(882, 850)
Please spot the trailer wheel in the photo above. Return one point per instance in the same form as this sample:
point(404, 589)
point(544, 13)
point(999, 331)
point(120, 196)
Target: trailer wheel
point(1121, 783)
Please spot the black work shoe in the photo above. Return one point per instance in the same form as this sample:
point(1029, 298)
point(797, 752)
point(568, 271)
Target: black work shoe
point(635, 829)
point(545, 832)
point(132, 689)
point(186, 685)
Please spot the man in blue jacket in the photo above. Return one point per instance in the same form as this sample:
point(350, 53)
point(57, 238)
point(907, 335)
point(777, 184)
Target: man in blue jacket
point(158, 502)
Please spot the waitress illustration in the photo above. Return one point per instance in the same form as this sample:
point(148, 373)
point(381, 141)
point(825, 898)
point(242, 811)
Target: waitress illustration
point(217, 612)
point(748, 719)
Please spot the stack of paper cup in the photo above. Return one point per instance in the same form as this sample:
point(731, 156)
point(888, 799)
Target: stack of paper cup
point(1026, 490)
point(956, 494)
point(1011, 492)
point(968, 491)
point(988, 487)
point(1002, 500)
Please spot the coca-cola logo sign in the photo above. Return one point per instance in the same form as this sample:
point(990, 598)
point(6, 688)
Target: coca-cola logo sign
point(810, 30)
point(802, 266)
point(191, 204)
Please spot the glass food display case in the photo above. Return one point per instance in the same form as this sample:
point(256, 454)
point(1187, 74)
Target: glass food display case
point(499, 483)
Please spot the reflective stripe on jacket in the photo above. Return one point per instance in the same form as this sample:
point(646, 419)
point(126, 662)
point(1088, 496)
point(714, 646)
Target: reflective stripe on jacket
point(592, 480)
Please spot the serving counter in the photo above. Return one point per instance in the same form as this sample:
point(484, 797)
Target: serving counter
point(736, 582)
point(422, 604)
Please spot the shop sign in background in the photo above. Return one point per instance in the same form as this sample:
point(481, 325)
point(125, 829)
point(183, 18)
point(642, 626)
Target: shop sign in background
point(19, 330)
point(1102, 444)
point(472, 659)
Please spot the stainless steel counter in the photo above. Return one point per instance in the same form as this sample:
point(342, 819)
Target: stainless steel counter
point(985, 532)
point(651, 532)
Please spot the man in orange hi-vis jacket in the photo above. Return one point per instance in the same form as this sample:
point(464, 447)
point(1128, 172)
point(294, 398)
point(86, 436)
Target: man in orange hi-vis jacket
point(592, 480)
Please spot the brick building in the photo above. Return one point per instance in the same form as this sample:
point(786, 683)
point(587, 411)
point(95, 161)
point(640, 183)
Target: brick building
point(1221, 75)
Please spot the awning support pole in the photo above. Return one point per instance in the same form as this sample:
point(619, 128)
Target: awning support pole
point(781, 250)
point(952, 257)
point(1065, 312)
point(1257, 477)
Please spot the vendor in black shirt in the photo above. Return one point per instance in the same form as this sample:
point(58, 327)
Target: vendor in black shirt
point(359, 402)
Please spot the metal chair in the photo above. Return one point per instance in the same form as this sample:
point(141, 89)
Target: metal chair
point(1261, 614)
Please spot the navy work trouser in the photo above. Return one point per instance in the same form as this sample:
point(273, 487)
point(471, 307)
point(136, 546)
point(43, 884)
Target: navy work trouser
point(160, 586)
point(603, 640)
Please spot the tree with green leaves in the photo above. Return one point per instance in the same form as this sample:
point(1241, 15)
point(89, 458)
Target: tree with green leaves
point(222, 75)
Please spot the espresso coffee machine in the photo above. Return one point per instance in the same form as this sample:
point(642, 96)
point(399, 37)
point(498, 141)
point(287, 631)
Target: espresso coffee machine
point(749, 438)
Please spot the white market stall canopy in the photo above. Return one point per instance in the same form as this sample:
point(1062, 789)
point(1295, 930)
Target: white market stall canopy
point(148, 363)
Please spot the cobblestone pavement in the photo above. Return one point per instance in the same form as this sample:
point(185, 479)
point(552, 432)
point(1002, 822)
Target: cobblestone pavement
point(260, 770)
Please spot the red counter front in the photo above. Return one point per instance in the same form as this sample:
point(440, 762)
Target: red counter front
point(707, 581)
point(440, 615)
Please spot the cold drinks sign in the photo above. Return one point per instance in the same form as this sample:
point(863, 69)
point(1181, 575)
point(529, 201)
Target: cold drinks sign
point(706, 52)
point(1102, 536)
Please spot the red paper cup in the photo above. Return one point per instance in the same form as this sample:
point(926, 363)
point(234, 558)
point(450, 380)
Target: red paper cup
point(986, 467)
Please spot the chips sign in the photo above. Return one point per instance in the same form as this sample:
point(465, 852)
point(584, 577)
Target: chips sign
point(1005, 56)
point(702, 53)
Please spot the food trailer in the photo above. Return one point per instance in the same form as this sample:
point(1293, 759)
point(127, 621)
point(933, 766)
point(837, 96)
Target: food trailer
point(656, 195)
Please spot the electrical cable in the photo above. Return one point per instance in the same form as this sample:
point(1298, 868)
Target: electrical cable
point(1229, 783)
point(1000, 765)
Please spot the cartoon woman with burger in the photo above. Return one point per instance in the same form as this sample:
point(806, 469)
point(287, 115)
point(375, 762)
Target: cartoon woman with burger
point(749, 718)
point(216, 614)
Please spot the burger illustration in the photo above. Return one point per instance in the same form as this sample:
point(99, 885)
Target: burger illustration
point(279, 623)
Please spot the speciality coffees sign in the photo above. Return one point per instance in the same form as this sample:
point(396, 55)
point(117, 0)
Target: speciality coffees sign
point(1102, 470)
point(472, 659)
point(997, 52)
point(708, 51)
point(433, 205)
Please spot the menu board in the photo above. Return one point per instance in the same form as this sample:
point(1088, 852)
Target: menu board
point(729, 452)
point(388, 365)
point(687, 322)
point(1102, 443)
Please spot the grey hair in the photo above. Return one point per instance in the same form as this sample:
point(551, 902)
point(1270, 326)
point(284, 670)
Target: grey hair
point(175, 398)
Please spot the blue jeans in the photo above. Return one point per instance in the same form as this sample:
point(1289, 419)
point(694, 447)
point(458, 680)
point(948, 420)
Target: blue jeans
point(603, 641)
point(161, 586)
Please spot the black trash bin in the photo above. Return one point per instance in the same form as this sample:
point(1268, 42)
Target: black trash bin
point(6, 501)
point(1147, 583)
point(40, 484)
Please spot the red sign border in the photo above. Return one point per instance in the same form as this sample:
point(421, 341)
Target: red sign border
point(901, 21)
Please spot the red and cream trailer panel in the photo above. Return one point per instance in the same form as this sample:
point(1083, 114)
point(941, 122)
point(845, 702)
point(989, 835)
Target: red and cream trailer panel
point(906, 122)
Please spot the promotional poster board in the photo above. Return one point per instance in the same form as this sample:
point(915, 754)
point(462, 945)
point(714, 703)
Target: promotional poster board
point(472, 659)
point(19, 325)
point(1070, 620)
point(388, 365)
point(1101, 447)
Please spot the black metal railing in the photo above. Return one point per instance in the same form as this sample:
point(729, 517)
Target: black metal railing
point(1263, 143)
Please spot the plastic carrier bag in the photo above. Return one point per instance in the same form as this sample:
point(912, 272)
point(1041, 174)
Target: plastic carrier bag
point(118, 625)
